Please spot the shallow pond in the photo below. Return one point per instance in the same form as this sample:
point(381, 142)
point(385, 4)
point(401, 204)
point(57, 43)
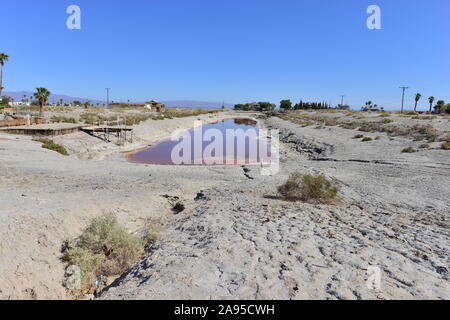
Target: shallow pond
point(233, 141)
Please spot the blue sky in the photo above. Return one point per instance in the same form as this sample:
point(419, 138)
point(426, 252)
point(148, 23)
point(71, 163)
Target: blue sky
point(233, 51)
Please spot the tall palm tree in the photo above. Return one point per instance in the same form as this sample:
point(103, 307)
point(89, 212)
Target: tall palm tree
point(41, 95)
point(3, 58)
point(417, 98)
point(439, 106)
point(431, 100)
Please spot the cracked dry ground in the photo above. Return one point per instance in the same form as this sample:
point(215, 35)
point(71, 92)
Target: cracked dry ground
point(242, 242)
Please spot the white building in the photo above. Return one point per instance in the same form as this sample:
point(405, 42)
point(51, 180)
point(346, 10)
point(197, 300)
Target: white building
point(19, 104)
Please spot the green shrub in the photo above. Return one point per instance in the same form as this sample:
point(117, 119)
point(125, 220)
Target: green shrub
point(424, 146)
point(104, 248)
point(409, 150)
point(445, 146)
point(358, 136)
point(309, 188)
point(365, 139)
point(50, 145)
point(88, 262)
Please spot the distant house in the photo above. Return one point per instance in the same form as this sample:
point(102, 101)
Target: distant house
point(155, 106)
point(254, 106)
point(126, 104)
point(19, 104)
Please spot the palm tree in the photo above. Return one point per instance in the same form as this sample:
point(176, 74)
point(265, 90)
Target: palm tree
point(439, 106)
point(3, 59)
point(431, 100)
point(41, 95)
point(417, 98)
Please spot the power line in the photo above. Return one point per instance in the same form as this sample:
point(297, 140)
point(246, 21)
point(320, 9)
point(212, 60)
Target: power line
point(403, 96)
point(107, 96)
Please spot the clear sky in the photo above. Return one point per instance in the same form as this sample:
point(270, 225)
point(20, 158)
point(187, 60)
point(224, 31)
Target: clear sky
point(230, 50)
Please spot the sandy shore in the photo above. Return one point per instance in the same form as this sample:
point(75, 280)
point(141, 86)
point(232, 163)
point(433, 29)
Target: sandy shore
point(240, 240)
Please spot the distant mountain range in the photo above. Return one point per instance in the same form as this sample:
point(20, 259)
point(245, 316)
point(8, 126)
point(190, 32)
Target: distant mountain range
point(54, 98)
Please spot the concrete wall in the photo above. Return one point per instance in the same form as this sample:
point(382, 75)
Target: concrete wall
point(21, 122)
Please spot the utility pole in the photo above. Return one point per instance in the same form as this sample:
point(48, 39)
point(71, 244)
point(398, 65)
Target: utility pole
point(342, 99)
point(107, 97)
point(403, 96)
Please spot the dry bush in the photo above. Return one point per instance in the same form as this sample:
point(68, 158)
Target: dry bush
point(409, 150)
point(366, 139)
point(382, 125)
point(358, 136)
point(309, 188)
point(50, 145)
point(104, 248)
point(423, 117)
point(63, 119)
point(152, 234)
point(445, 146)
point(432, 138)
point(424, 146)
point(365, 128)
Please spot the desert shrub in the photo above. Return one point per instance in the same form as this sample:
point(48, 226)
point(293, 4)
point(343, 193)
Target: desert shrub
point(309, 188)
point(358, 136)
point(409, 150)
point(381, 125)
point(365, 128)
point(445, 146)
point(349, 125)
point(432, 138)
point(50, 145)
point(88, 262)
point(63, 119)
point(152, 234)
point(104, 248)
point(366, 139)
point(424, 146)
point(423, 117)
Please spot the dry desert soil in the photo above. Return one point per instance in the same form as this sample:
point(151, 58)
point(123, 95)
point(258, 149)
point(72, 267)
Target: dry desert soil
point(237, 239)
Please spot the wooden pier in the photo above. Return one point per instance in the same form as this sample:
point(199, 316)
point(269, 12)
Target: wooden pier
point(106, 133)
point(117, 134)
point(48, 129)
